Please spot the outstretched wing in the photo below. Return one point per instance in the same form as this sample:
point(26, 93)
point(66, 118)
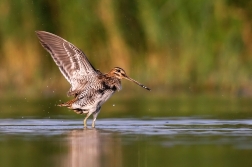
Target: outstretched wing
point(71, 61)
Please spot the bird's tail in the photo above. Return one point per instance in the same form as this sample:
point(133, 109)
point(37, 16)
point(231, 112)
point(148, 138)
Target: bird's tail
point(67, 104)
point(62, 105)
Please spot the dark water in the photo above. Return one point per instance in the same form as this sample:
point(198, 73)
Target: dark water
point(171, 141)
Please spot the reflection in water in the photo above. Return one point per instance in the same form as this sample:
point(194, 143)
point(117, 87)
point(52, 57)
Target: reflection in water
point(183, 141)
point(92, 148)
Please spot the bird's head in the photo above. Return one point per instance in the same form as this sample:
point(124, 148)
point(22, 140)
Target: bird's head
point(120, 74)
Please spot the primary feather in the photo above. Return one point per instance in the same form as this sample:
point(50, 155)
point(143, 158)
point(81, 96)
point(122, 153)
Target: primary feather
point(71, 61)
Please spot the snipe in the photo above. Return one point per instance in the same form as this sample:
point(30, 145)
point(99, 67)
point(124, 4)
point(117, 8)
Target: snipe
point(89, 86)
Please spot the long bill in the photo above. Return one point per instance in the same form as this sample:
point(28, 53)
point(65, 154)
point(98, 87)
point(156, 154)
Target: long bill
point(130, 79)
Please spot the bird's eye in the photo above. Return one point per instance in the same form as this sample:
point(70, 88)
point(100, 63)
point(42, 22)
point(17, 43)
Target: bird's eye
point(118, 70)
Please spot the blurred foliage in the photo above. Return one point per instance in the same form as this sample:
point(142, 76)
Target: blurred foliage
point(121, 106)
point(169, 45)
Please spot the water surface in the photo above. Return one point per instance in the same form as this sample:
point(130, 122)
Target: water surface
point(172, 141)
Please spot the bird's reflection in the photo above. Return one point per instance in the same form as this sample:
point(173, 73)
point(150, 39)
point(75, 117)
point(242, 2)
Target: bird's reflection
point(92, 147)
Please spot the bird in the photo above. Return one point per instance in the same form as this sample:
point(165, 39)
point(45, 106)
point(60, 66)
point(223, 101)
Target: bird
point(89, 86)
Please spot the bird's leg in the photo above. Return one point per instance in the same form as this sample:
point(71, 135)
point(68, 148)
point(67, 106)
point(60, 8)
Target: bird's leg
point(95, 116)
point(93, 123)
point(85, 120)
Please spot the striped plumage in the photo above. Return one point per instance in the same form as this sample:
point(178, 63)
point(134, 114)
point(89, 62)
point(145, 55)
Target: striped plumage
point(89, 86)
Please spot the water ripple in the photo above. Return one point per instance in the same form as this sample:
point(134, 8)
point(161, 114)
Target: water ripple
point(167, 126)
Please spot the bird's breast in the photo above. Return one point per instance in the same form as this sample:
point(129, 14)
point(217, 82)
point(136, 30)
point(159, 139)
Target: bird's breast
point(105, 96)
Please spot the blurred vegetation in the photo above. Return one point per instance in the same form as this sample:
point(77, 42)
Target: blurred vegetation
point(169, 45)
point(204, 106)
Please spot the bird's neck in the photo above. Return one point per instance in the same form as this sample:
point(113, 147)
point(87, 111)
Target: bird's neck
point(111, 75)
point(112, 81)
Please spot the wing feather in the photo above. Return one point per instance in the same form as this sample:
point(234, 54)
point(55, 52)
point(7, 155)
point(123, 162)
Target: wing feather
point(71, 61)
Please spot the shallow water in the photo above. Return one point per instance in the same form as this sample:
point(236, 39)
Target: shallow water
point(175, 141)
